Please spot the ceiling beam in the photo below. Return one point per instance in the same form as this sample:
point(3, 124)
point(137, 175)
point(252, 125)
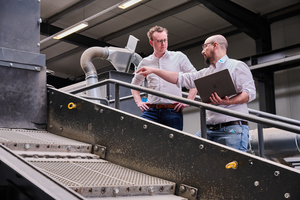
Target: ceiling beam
point(254, 25)
point(67, 11)
point(84, 41)
point(150, 20)
point(75, 38)
point(284, 13)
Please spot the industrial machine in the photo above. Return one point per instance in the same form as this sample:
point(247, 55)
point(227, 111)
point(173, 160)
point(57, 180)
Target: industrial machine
point(58, 144)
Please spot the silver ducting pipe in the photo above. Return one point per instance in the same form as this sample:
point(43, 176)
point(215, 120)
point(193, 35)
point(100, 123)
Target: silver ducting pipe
point(89, 69)
point(136, 59)
point(120, 58)
point(278, 144)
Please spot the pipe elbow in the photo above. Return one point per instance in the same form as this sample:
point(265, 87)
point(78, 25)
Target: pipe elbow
point(87, 57)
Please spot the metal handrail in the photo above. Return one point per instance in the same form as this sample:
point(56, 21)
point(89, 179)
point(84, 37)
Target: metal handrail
point(262, 114)
point(281, 123)
point(274, 117)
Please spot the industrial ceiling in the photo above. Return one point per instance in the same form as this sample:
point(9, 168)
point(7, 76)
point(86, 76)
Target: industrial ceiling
point(189, 24)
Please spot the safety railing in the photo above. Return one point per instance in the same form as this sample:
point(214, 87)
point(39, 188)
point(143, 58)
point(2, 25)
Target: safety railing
point(281, 122)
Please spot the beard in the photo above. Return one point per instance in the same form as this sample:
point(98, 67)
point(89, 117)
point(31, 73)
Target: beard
point(207, 60)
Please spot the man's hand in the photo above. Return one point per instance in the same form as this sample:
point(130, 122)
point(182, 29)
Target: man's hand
point(145, 71)
point(215, 99)
point(180, 106)
point(143, 106)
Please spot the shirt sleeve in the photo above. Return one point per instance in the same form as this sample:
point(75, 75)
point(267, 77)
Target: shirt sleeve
point(186, 65)
point(243, 80)
point(187, 79)
point(138, 79)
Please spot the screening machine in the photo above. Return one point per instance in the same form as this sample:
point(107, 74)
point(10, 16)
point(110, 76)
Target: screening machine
point(56, 144)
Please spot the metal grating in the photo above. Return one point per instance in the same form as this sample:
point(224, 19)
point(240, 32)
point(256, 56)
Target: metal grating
point(31, 140)
point(99, 178)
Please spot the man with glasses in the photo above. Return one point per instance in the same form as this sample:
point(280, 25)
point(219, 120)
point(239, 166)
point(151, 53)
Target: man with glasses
point(158, 109)
point(228, 130)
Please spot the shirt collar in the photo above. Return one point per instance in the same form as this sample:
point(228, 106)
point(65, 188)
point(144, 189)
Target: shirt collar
point(222, 60)
point(166, 53)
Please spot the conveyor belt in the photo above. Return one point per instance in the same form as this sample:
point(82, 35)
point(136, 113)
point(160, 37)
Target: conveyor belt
point(72, 164)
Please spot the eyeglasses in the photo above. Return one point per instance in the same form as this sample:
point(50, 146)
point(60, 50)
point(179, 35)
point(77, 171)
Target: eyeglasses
point(206, 44)
point(161, 41)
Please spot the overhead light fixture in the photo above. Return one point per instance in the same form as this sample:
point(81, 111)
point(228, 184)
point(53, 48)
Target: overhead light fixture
point(71, 30)
point(129, 3)
point(123, 4)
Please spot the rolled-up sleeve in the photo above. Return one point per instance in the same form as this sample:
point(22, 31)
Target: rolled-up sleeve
point(187, 79)
point(244, 80)
point(137, 79)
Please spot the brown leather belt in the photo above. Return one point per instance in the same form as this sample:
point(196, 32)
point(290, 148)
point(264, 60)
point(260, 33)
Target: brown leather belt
point(161, 106)
point(221, 125)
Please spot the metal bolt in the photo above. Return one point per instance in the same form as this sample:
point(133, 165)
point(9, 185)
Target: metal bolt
point(38, 44)
point(287, 195)
point(27, 146)
point(250, 163)
point(256, 183)
point(36, 69)
point(193, 192)
point(40, 20)
point(182, 188)
point(101, 110)
point(145, 126)
point(69, 148)
point(276, 173)
point(10, 64)
point(122, 118)
point(201, 146)
point(96, 148)
point(102, 149)
point(61, 129)
point(171, 136)
point(50, 126)
point(60, 106)
point(151, 190)
point(116, 191)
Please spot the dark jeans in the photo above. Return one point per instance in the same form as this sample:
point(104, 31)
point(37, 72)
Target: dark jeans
point(168, 117)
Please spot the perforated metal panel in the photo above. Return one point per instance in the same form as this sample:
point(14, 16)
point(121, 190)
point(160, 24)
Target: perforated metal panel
point(99, 178)
point(31, 140)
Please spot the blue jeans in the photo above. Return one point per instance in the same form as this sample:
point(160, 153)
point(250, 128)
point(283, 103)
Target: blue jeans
point(168, 117)
point(235, 136)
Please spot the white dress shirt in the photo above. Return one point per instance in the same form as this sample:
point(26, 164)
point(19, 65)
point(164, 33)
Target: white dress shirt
point(242, 80)
point(171, 61)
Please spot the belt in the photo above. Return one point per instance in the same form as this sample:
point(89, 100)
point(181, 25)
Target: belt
point(161, 106)
point(221, 125)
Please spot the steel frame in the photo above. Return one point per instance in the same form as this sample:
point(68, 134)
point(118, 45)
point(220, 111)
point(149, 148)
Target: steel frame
point(173, 155)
